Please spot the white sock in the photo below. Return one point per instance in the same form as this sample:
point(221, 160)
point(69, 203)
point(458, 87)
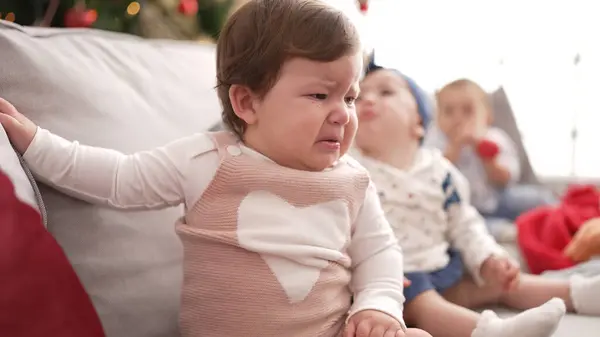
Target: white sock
point(585, 294)
point(537, 322)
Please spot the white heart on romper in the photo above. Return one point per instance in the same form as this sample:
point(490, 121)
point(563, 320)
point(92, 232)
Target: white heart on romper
point(295, 242)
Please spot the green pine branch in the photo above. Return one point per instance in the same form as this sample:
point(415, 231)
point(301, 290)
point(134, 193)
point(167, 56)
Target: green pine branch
point(113, 14)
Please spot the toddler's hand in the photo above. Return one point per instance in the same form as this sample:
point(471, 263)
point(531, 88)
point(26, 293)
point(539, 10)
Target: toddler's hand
point(586, 242)
point(467, 134)
point(466, 137)
point(502, 271)
point(19, 128)
point(373, 323)
point(463, 135)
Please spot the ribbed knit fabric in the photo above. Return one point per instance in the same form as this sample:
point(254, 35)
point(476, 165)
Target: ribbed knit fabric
point(229, 289)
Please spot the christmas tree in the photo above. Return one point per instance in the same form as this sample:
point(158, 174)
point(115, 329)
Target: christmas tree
point(178, 19)
point(174, 19)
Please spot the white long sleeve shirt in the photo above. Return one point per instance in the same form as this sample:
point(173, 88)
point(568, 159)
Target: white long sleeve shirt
point(429, 209)
point(181, 171)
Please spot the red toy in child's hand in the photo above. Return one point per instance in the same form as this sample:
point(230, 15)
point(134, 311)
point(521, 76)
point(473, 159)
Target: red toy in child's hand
point(363, 5)
point(487, 149)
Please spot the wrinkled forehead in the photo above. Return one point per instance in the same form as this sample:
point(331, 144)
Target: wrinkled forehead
point(345, 70)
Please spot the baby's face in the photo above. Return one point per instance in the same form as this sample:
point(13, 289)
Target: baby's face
point(459, 107)
point(387, 111)
point(307, 121)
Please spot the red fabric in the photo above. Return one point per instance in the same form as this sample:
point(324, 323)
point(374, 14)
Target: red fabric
point(546, 231)
point(487, 149)
point(40, 294)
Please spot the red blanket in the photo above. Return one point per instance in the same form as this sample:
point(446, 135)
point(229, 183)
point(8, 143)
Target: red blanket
point(546, 231)
point(40, 294)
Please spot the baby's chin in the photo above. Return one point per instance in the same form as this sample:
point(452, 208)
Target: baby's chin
point(323, 163)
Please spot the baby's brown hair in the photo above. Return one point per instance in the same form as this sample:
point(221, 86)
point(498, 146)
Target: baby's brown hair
point(464, 83)
point(262, 34)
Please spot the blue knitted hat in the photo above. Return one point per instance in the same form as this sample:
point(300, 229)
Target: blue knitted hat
point(424, 107)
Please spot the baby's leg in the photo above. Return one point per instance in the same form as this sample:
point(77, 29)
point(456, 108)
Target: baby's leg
point(431, 312)
point(535, 290)
point(469, 295)
point(518, 199)
point(581, 295)
point(531, 292)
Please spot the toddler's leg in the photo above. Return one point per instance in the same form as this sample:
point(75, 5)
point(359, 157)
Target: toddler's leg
point(582, 295)
point(469, 295)
point(518, 199)
point(431, 312)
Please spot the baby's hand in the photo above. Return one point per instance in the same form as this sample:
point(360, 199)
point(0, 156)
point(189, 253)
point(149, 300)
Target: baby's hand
point(373, 323)
point(586, 242)
point(502, 271)
point(466, 135)
point(19, 128)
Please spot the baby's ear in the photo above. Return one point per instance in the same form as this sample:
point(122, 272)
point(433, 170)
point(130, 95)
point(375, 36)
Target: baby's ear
point(419, 131)
point(243, 102)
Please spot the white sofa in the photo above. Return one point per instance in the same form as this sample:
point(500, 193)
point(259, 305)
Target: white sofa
point(121, 92)
point(129, 94)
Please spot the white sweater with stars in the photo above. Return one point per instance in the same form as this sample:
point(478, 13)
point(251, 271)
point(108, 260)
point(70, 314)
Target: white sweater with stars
point(429, 209)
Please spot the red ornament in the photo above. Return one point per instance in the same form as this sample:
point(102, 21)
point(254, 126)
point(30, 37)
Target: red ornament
point(80, 17)
point(487, 149)
point(188, 7)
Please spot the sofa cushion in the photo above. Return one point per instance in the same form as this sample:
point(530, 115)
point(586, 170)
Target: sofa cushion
point(129, 94)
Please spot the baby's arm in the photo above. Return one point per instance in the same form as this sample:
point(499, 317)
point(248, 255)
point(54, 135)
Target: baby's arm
point(150, 179)
point(466, 227)
point(143, 180)
point(377, 278)
point(505, 167)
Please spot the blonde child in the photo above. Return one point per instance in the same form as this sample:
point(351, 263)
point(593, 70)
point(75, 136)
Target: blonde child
point(283, 234)
point(484, 154)
point(427, 203)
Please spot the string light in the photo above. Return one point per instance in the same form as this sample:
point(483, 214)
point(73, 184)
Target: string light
point(133, 8)
point(10, 17)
